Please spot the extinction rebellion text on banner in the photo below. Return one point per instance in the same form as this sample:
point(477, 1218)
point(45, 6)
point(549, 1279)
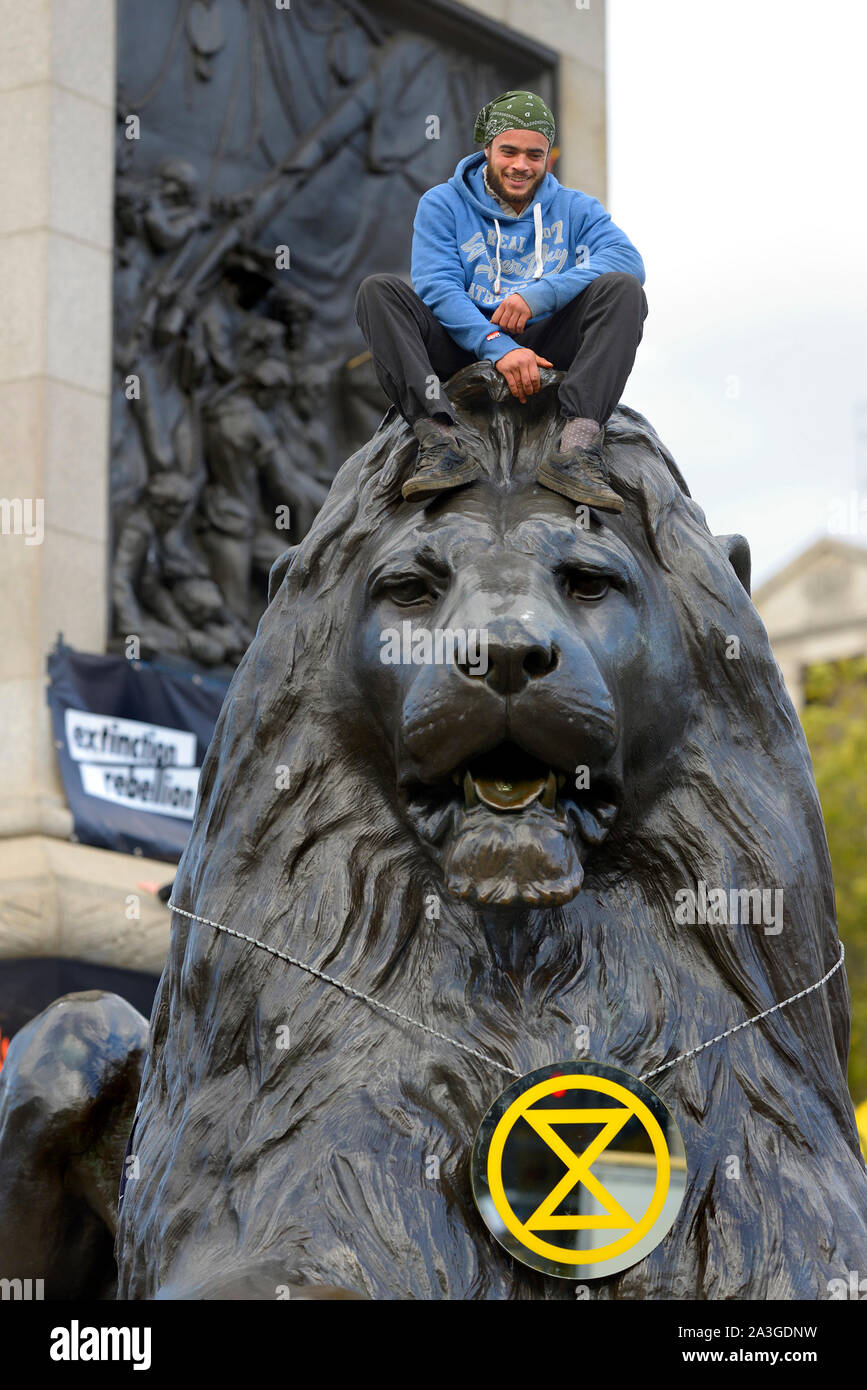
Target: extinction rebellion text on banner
point(130, 738)
point(127, 761)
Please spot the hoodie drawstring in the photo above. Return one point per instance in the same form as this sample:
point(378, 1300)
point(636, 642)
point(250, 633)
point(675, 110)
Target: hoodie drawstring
point(537, 219)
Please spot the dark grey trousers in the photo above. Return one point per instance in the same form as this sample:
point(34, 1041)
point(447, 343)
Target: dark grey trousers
point(593, 339)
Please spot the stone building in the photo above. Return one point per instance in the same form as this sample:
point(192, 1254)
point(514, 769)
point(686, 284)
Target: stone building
point(815, 608)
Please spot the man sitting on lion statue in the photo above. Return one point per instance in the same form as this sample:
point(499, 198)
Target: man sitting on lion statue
point(512, 268)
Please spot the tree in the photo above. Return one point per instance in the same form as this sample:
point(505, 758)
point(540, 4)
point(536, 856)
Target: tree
point(835, 723)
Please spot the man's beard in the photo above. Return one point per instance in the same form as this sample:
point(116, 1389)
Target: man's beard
point(503, 192)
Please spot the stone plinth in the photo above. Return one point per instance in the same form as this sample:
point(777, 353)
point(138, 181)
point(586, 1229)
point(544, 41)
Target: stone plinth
point(57, 101)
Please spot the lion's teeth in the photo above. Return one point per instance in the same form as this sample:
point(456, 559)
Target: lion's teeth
point(549, 795)
point(470, 790)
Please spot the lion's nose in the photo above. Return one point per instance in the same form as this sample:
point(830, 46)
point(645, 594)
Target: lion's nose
point(514, 657)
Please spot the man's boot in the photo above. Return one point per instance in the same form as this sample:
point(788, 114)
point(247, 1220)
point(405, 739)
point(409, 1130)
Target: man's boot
point(446, 459)
point(581, 475)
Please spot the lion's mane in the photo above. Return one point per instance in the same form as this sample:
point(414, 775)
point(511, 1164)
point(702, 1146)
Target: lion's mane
point(316, 1154)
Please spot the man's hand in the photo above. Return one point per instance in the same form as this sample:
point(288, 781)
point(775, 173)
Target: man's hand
point(520, 367)
point(512, 314)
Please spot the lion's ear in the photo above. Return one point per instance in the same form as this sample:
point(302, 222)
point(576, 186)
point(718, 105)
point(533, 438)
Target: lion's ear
point(278, 571)
point(737, 548)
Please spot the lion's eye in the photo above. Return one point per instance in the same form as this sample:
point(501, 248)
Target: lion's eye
point(584, 585)
point(406, 592)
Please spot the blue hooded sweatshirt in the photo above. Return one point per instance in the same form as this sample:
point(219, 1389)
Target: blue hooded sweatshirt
point(468, 254)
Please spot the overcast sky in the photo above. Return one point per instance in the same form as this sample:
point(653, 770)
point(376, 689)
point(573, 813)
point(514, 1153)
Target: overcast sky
point(738, 166)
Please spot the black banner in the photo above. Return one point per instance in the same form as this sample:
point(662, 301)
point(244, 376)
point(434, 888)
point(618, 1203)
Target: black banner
point(130, 738)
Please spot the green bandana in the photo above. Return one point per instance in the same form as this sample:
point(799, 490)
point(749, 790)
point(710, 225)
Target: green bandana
point(513, 111)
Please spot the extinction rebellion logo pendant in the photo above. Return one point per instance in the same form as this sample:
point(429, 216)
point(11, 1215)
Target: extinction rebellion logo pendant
point(578, 1170)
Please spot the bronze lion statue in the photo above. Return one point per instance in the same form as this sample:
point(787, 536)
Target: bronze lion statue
point(352, 815)
point(493, 849)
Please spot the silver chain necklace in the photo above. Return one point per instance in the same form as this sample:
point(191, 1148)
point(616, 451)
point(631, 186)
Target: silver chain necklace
point(472, 1051)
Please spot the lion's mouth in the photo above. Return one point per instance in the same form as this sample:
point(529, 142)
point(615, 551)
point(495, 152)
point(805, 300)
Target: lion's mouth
point(510, 782)
point(511, 828)
point(507, 779)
